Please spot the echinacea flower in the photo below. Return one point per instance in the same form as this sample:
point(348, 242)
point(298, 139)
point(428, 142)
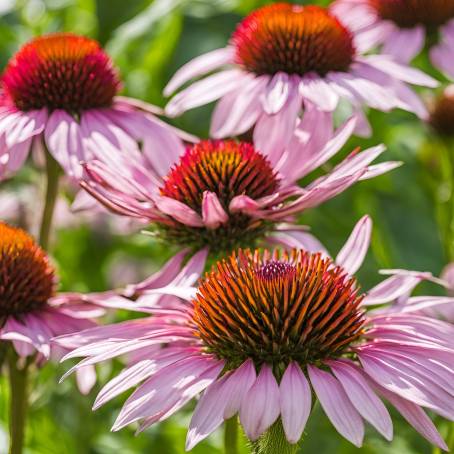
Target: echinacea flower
point(266, 331)
point(402, 28)
point(442, 113)
point(31, 313)
point(61, 89)
point(222, 194)
point(282, 58)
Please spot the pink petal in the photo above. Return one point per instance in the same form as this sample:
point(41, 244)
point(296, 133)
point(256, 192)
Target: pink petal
point(277, 93)
point(220, 401)
point(64, 141)
point(205, 91)
point(179, 211)
point(416, 417)
point(272, 133)
point(260, 407)
point(213, 214)
point(319, 92)
point(198, 66)
point(238, 111)
point(369, 406)
point(295, 394)
point(391, 288)
point(352, 254)
point(243, 204)
point(86, 379)
point(337, 405)
point(405, 43)
point(163, 390)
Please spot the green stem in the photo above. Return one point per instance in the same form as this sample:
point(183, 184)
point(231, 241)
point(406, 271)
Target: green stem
point(52, 171)
point(231, 436)
point(18, 403)
point(274, 441)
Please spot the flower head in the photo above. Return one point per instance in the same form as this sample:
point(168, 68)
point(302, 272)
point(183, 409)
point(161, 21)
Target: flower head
point(27, 279)
point(263, 330)
point(401, 27)
point(60, 71)
point(442, 113)
point(225, 194)
point(31, 312)
point(292, 39)
point(282, 60)
point(61, 90)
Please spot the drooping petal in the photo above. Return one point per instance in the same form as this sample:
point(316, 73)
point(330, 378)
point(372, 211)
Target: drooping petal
point(220, 401)
point(337, 405)
point(260, 407)
point(369, 406)
point(295, 394)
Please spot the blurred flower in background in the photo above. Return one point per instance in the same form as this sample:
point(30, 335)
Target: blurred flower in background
point(403, 28)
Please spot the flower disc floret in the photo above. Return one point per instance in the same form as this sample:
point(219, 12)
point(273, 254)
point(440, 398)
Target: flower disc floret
point(293, 39)
point(60, 71)
point(276, 309)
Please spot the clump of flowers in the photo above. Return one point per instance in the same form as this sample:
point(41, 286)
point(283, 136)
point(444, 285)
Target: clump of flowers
point(402, 28)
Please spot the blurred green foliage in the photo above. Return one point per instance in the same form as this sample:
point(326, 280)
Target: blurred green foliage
point(149, 40)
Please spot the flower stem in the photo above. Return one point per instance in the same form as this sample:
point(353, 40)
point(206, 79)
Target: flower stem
point(52, 171)
point(231, 436)
point(274, 441)
point(18, 402)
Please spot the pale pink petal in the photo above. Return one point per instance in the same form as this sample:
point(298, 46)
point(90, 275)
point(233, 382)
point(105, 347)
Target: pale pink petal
point(220, 401)
point(441, 58)
point(243, 204)
point(391, 289)
point(352, 254)
point(405, 43)
point(369, 406)
point(64, 141)
point(86, 379)
point(133, 375)
point(260, 407)
point(198, 66)
point(25, 127)
point(295, 397)
point(237, 111)
point(179, 211)
point(337, 405)
point(272, 133)
point(205, 91)
point(277, 93)
point(163, 390)
point(416, 417)
point(213, 214)
point(318, 92)
point(296, 239)
point(401, 72)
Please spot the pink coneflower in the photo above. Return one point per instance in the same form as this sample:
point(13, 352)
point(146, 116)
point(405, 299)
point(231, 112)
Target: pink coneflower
point(264, 330)
point(282, 58)
point(402, 27)
point(222, 194)
point(31, 313)
point(62, 89)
